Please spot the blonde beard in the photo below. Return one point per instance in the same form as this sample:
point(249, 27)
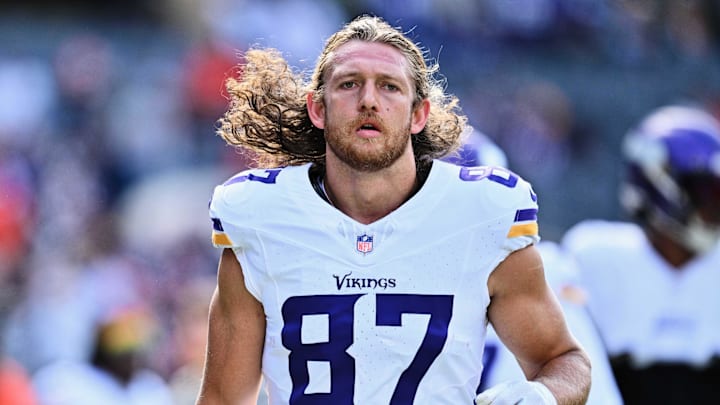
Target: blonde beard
point(386, 149)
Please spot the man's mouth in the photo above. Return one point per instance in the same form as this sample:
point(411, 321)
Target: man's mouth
point(369, 128)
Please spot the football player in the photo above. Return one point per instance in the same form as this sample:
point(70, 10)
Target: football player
point(477, 149)
point(652, 283)
point(358, 268)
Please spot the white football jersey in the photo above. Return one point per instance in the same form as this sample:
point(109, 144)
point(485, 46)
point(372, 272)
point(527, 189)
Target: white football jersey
point(393, 312)
point(642, 306)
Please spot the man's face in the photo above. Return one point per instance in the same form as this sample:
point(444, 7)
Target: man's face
point(704, 192)
point(367, 109)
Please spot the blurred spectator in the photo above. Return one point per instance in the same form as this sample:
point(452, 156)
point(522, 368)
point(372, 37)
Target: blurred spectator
point(208, 62)
point(537, 132)
point(150, 128)
point(83, 66)
point(521, 18)
point(24, 115)
point(17, 223)
point(207, 65)
point(296, 27)
point(70, 289)
point(646, 30)
point(688, 27)
point(115, 374)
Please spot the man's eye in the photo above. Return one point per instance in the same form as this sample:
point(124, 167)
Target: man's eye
point(392, 87)
point(347, 85)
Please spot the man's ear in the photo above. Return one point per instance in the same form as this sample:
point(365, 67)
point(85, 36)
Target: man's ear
point(420, 116)
point(316, 111)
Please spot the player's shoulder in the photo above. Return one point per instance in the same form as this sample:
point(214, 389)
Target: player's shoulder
point(495, 185)
point(249, 195)
point(493, 196)
point(596, 235)
point(255, 186)
point(242, 202)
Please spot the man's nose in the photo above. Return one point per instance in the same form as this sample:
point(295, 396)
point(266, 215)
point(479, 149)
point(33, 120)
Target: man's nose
point(368, 98)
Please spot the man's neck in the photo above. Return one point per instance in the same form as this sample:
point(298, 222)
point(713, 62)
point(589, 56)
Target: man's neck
point(369, 196)
point(673, 253)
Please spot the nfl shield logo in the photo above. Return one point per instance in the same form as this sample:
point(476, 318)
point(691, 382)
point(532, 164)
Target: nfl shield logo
point(364, 243)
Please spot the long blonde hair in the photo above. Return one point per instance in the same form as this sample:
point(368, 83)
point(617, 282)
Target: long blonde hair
point(268, 114)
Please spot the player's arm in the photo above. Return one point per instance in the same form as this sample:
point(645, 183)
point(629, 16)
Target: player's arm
point(233, 360)
point(529, 321)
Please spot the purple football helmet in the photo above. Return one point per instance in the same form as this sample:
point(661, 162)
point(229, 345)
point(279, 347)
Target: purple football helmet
point(673, 179)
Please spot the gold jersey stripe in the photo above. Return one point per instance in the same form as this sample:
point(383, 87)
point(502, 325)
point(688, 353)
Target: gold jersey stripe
point(221, 239)
point(528, 229)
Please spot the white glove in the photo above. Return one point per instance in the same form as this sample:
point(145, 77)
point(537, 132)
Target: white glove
point(517, 392)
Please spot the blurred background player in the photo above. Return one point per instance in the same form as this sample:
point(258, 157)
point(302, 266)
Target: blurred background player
point(477, 149)
point(500, 365)
point(653, 284)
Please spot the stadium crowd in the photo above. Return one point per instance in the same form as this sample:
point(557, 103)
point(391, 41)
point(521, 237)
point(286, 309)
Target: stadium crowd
point(108, 152)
